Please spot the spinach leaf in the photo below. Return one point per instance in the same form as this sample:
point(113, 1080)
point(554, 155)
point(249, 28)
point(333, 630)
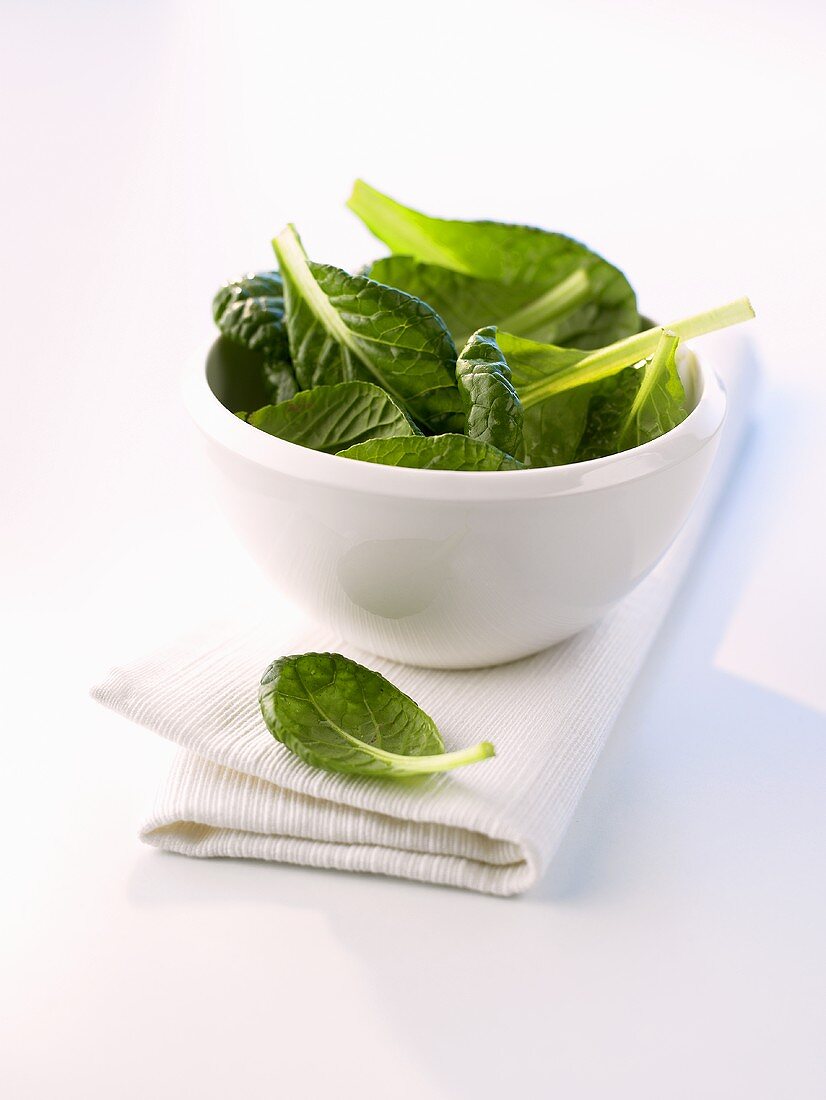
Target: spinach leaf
point(330, 418)
point(578, 403)
point(540, 371)
point(347, 327)
point(249, 311)
point(659, 404)
point(609, 406)
point(338, 715)
point(244, 379)
point(528, 281)
point(279, 379)
point(466, 303)
point(433, 452)
point(635, 405)
point(493, 413)
point(553, 429)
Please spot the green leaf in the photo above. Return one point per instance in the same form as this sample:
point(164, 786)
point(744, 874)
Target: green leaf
point(249, 311)
point(609, 406)
point(434, 452)
point(279, 379)
point(540, 371)
point(330, 418)
point(634, 405)
point(553, 429)
point(536, 284)
point(338, 715)
point(578, 404)
point(466, 303)
point(244, 379)
point(659, 404)
point(493, 413)
point(347, 328)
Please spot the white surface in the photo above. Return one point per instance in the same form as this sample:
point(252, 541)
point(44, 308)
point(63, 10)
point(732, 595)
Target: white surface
point(676, 946)
point(450, 569)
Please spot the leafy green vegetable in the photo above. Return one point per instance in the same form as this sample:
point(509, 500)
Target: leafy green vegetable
point(553, 429)
point(609, 407)
point(239, 377)
point(249, 311)
point(536, 284)
point(330, 418)
point(466, 303)
point(347, 327)
point(557, 364)
point(433, 452)
point(578, 403)
point(659, 404)
point(541, 371)
point(493, 412)
point(338, 715)
point(279, 379)
point(635, 405)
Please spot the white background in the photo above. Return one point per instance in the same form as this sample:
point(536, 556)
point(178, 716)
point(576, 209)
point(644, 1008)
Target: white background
point(150, 150)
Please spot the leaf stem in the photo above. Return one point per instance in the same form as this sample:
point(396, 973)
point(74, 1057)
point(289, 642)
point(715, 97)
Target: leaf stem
point(554, 303)
point(292, 260)
point(625, 353)
point(438, 762)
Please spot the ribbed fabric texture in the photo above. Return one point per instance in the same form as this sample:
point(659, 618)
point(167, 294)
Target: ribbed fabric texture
point(492, 827)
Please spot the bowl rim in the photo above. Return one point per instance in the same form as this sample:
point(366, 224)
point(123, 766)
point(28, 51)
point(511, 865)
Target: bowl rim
point(234, 435)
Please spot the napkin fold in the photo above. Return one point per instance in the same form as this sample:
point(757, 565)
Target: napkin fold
point(492, 827)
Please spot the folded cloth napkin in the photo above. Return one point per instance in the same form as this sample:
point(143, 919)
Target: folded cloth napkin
point(492, 827)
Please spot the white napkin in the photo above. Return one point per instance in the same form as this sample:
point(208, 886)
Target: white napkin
point(493, 826)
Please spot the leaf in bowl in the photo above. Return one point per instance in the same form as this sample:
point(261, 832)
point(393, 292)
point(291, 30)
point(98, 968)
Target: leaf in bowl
point(331, 418)
point(433, 452)
point(347, 327)
point(576, 406)
point(536, 284)
point(493, 412)
point(338, 715)
point(635, 406)
point(249, 311)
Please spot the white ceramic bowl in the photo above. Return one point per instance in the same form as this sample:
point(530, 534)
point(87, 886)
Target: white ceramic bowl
point(455, 569)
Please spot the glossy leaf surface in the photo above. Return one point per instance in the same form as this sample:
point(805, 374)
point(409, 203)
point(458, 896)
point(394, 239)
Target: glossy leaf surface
point(478, 273)
point(434, 452)
point(347, 327)
point(249, 311)
point(659, 404)
point(336, 714)
point(331, 418)
point(493, 412)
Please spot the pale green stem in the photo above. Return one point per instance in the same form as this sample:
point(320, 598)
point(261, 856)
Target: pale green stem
point(625, 353)
point(559, 300)
point(438, 762)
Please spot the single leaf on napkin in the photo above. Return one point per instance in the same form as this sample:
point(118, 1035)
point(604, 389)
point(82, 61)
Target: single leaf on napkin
point(336, 714)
